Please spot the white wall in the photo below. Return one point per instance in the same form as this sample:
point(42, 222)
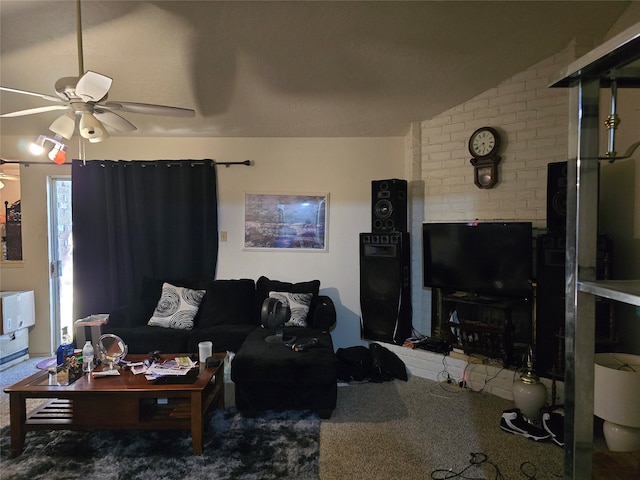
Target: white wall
point(342, 167)
point(32, 273)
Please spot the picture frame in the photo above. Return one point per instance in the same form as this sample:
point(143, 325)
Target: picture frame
point(286, 221)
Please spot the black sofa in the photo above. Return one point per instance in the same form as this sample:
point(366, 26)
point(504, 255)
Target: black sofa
point(267, 376)
point(229, 312)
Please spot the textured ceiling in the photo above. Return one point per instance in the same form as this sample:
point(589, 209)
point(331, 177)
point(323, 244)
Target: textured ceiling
point(286, 69)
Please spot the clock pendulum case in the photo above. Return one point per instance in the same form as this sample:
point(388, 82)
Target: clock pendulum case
point(483, 147)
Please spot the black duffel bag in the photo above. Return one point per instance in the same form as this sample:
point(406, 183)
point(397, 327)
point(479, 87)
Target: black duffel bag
point(354, 363)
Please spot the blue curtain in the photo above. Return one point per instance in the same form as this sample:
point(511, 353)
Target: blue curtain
point(140, 219)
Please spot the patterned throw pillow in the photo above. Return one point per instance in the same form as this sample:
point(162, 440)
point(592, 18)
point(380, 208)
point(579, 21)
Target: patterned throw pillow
point(299, 304)
point(177, 307)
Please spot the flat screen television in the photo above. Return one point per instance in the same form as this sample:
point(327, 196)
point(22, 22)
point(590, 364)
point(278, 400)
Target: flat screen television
point(491, 258)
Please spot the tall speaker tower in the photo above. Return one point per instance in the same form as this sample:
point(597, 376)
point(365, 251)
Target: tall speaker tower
point(385, 277)
point(385, 287)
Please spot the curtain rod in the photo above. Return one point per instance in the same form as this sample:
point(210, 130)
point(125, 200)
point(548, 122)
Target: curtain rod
point(248, 163)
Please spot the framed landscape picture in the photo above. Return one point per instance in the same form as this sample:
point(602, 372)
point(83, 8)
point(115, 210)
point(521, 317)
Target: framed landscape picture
point(286, 221)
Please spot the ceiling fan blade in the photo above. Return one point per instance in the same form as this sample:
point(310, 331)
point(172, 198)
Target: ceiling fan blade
point(114, 120)
point(31, 111)
point(51, 98)
point(92, 86)
point(149, 109)
point(4, 176)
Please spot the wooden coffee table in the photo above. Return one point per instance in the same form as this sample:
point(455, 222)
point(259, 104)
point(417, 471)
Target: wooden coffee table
point(124, 402)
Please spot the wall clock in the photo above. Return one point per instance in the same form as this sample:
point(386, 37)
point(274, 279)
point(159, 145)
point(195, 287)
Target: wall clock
point(484, 142)
point(483, 146)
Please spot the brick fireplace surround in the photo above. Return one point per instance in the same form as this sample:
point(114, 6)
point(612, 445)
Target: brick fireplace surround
point(478, 373)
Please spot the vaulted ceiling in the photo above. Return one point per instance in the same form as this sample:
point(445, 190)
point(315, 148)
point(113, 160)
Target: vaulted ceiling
point(286, 69)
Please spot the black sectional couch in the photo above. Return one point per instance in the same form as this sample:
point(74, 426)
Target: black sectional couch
point(229, 312)
point(267, 376)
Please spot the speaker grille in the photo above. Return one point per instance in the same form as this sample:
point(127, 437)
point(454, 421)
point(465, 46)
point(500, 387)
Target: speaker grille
point(389, 205)
point(556, 197)
point(385, 293)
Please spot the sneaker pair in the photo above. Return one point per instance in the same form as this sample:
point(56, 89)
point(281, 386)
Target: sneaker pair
point(513, 421)
point(553, 422)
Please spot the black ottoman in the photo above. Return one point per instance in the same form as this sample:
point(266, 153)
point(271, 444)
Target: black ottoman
point(271, 376)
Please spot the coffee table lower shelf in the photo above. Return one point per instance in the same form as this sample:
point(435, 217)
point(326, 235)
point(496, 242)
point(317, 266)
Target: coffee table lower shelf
point(58, 413)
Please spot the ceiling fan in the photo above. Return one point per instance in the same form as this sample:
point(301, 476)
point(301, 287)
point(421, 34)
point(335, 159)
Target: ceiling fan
point(5, 176)
point(85, 97)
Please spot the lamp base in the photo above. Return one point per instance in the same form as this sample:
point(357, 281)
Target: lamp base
point(620, 438)
point(530, 398)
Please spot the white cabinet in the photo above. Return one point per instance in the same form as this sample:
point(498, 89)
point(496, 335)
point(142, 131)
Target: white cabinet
point(17, 311)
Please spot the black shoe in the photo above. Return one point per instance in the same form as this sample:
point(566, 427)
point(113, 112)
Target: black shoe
point(512, 421)
point(553, 423)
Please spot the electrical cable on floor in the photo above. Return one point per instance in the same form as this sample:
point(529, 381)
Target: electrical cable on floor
point(486, 380)
point(444, 379)
point(476, 459)
point(530, 471)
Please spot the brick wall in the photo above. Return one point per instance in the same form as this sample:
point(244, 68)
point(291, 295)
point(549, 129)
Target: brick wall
point(486, 376)
point(533, 122)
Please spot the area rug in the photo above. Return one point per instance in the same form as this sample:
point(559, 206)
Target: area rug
point(273, 445)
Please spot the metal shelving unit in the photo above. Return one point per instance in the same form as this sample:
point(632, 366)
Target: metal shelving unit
point(617, 59)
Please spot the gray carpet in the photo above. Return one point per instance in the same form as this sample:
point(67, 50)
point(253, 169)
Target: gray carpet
point(270, 446)
point(414, 429)
point(418, 429)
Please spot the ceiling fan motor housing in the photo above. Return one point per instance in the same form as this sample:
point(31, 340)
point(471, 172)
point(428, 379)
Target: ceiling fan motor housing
point(66, 88)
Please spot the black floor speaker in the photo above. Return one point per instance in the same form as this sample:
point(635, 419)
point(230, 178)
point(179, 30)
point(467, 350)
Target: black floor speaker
point(557, 197)
point(550, 299)
point(389, 205)
point(385, 287)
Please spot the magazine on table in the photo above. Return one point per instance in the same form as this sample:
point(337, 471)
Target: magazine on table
point(178, 366)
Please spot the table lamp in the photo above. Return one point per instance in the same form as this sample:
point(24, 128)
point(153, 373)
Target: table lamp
point(617, 399)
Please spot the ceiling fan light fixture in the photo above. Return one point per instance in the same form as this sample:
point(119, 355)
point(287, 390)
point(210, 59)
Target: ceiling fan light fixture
point(101, 138)
point(64, 125)
point(91, 127)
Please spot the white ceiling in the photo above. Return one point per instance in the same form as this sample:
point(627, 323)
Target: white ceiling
point(286, 69)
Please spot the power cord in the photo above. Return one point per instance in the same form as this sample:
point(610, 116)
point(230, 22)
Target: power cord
point(444, 379)
point(476, 459)
point(486, 380)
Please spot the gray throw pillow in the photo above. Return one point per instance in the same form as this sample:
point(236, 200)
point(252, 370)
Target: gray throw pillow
point(299, 304)
point(177, 307)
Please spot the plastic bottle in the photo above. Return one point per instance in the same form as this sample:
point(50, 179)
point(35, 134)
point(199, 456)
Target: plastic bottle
point(65, 349)
point(87, 357)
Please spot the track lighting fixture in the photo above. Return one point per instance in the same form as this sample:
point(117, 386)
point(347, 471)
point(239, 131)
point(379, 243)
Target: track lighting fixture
point(58, 153)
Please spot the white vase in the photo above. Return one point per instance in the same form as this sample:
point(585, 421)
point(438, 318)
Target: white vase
point(530, 396)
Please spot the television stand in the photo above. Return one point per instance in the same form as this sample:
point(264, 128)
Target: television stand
point(479, 324)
